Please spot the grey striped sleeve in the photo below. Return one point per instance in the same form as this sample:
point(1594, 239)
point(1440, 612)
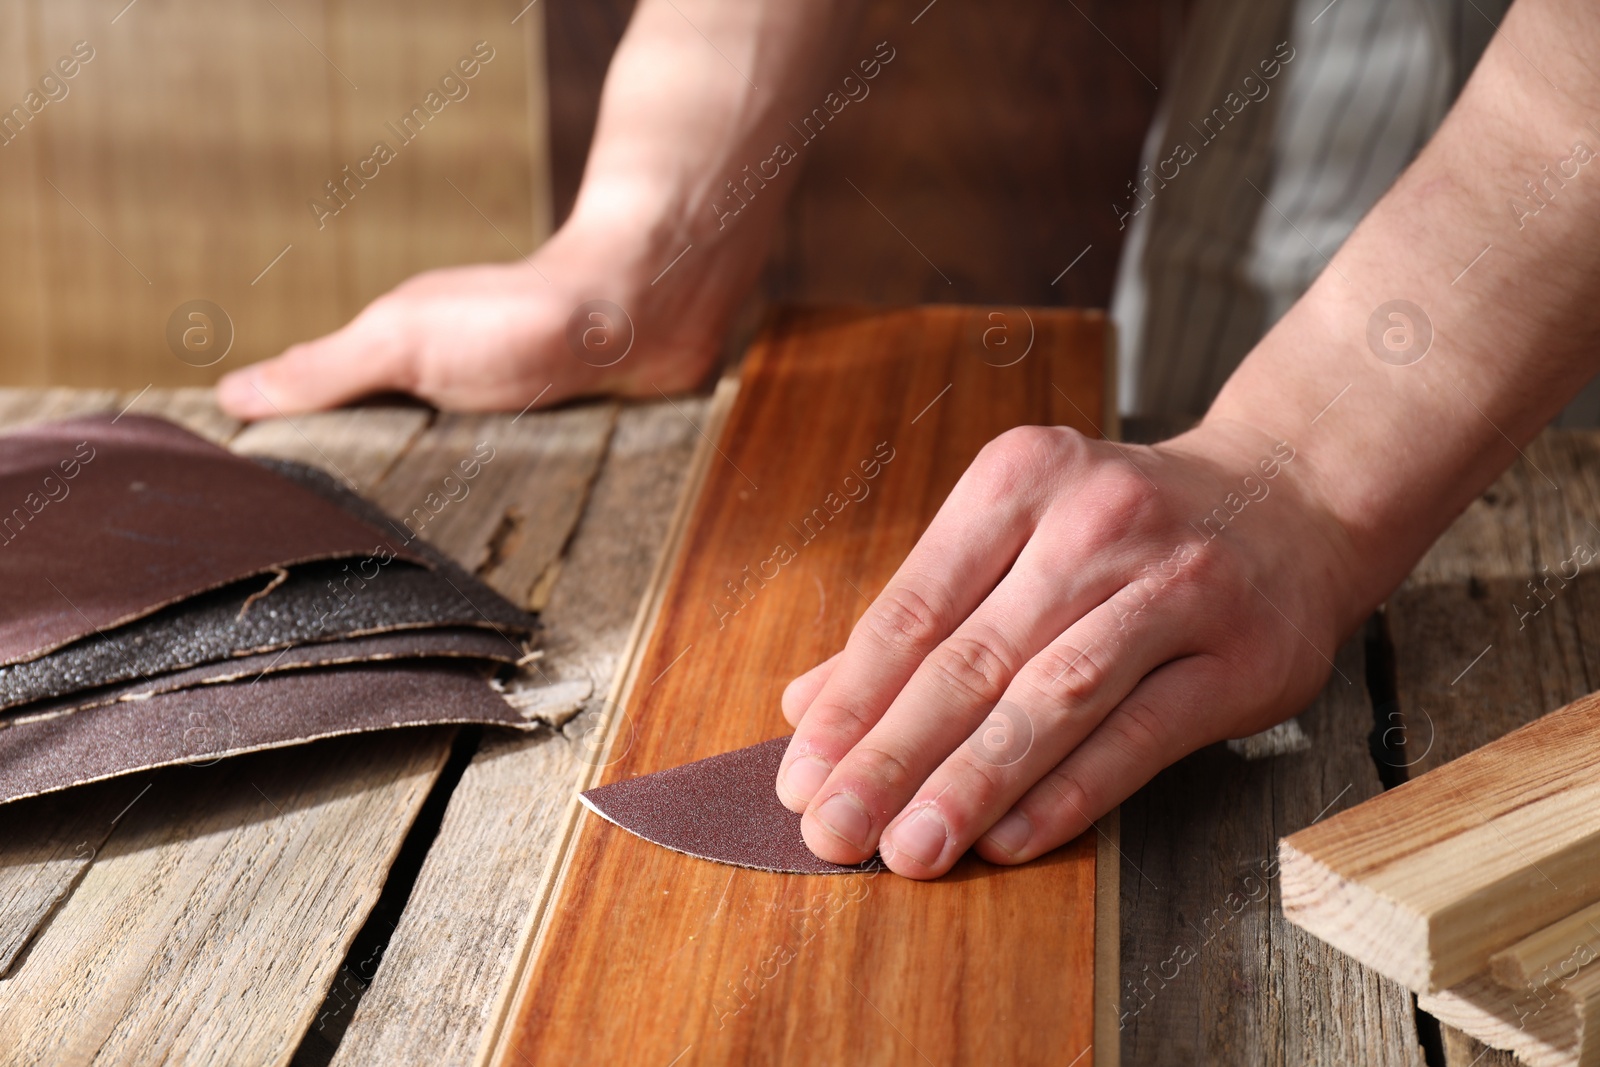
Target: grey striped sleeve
point(1283, 123)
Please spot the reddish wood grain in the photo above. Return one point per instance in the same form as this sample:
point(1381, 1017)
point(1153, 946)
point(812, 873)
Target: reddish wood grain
point(649, 955)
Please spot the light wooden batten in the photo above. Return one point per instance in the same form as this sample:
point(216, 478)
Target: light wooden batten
point(1427, 881)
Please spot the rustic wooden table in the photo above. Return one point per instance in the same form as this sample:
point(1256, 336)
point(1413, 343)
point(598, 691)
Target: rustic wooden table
point(239, 913)
point(364, 902)
point(1484, 636)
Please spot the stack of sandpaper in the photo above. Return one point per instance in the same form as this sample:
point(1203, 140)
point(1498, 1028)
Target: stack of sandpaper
point(166, 601)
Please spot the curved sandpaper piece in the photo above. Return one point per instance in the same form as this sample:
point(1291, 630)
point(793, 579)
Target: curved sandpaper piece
point(104, 520)
point(317, 602)
point(201, 725)
point(445, 642)
point(722, 808)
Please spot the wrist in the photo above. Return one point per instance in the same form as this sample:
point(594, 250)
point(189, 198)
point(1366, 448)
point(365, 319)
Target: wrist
point(1380, 503)
point(1250, 463)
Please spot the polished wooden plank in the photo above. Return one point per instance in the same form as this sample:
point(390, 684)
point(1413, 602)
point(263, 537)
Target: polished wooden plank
point(646, 954)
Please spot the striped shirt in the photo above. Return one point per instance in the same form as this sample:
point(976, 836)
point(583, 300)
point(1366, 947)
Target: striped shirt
point(1282, 124)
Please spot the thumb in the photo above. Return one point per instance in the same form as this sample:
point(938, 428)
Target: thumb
point(333, 370)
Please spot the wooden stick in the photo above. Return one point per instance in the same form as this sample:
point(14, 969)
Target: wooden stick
point(1540, 998)
point(1426, 881)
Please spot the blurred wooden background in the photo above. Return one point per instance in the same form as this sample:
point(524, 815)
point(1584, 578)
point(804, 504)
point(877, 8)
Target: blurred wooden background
point(183, 157)
point(179, 163)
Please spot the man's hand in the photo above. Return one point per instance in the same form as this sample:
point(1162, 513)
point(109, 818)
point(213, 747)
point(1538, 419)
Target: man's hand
point(1071, 622)
point(496, 337)
point(1077, 616)
point(651, 233)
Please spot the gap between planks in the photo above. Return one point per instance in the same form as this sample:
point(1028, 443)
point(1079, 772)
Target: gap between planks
point(509, 1004)
point(445, 969)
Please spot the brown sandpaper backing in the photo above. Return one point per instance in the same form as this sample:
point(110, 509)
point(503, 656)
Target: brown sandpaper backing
point(104, 520)
point(445, 642)
point(723, 808)
point(317, 602)
point(205, 724)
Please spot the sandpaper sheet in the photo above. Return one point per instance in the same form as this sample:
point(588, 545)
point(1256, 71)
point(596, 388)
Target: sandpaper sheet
point(104, 520)
point(317, 602)
point(204, 724)
point(723, 808)
point(446, 642)
point(357, 506)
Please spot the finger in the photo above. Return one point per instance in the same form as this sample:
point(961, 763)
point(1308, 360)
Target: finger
point(798, 694)
point(1159, 723)
point(948, 696)
point(1055, 701)
point(356, 361)
point(968, 768)
point(972, 541)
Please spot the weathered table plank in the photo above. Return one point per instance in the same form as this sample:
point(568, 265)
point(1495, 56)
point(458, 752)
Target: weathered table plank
point(1211, 971)
point(356, 447)
point(209, 928)
point(47, 844)
point(1500, 622)
point(530, 476)
point(194, 409)
point(449, 961)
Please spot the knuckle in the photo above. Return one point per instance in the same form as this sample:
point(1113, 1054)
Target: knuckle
point(1129, 493)
point(1138, 731)
point(1017, 458)
point(1068, 801)
point(902, 620)
point(843, 720)
point(972, 667)
point(1066, 676)
point(982, 787)
point(882, 770)
point(1023, 444)
point(1118, 501)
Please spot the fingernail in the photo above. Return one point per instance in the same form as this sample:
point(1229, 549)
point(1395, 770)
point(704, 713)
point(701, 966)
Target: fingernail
point(846, 819)
point(805, 776)
point(922, 836)
point(1011, 833)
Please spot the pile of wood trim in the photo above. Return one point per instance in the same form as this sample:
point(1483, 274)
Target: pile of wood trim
point(1477, 885)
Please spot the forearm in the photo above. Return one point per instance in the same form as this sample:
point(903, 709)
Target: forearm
point(1404, 447)
point(700, 90)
